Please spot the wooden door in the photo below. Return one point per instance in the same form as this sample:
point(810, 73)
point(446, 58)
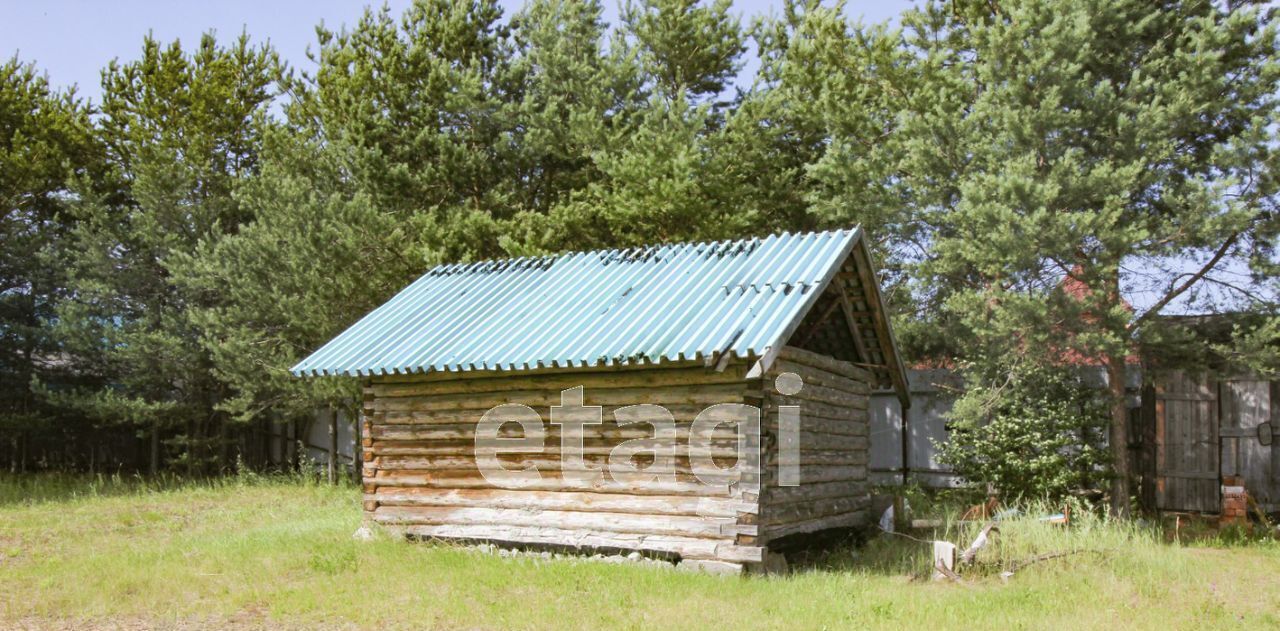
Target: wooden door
point(1245, 408)
point(1186, 443)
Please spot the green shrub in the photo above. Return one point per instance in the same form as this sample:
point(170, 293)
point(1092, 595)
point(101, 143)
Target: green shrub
point(1030, 432)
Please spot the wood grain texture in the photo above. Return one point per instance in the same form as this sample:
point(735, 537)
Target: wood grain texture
point(832, 449)
point(421, 476)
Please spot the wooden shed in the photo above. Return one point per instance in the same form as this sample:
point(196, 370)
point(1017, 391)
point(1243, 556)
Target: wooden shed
point(792, 326)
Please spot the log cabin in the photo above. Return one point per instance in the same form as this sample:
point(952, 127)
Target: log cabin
point(701, 402)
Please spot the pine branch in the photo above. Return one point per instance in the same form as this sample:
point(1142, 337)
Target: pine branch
point(1173, 293)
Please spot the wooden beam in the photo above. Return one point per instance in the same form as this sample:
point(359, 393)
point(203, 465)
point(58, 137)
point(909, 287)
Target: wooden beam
point(882, 367)
point(862, 266)
point(842, 297)
point(817, 324)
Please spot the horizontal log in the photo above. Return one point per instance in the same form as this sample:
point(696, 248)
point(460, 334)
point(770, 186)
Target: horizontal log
point(564, 501)
point(555, 382)
point(812, 474)
point(609, 430)
point(842, 414)
point(683, 547)
point(812, 392)
point(821, 377)
point(821, 425)
point(553, 432)
point(703, 395)
point(684, 484)
point(697, 527)
point(803, 512)
point(544, 464)
point(819, 441)
point(824, 362)
point(806, 492)
point(454, 375)
point(852, 519)
point(724, 449)
point(821, 408)
point(825, 458)
point(681, 413)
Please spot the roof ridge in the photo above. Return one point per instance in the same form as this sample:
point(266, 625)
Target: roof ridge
point(460, 267)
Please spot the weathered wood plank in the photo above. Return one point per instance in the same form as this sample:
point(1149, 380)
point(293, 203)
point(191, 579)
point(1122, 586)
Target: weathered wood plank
point(727, 449)
point(682, 505)
point(684, 484)
point(616, 368)
point(783, 495)
point(542, 463)
point(813, 392)
point(610, 430)
point(806, 512)
point(692, 395)
point(821, 377)
point(697, 527)
point(555, 382)
point(846, 520)
point(824, 362)
point(825, 458)
point(821, 408)
point(683, 413)
point(684, 547)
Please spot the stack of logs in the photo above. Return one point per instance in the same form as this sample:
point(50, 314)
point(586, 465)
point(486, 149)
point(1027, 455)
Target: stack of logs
point(833, 491)
point(421, 477)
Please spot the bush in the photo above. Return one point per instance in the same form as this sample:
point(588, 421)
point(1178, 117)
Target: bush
point(1030, 432)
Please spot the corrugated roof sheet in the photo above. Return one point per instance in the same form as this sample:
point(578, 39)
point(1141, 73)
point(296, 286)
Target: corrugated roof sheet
point(669, 302)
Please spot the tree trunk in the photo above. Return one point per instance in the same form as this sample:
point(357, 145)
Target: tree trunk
point(267, 457)
point(154, 466)
point(1119, 438)
point(1119, 435)
point(292, 447)
point(191, 448)
point(225, 461)
point(333, 446)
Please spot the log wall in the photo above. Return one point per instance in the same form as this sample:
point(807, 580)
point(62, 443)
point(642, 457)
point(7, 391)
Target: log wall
point(421, 478)
point(833, 442)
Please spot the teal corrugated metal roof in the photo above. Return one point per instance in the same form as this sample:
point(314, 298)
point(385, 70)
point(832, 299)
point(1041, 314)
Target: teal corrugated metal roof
point(668, 302)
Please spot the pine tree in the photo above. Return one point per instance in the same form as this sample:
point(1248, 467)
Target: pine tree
point(313, 260)
point(180, 130)
point(657, 174)
point(568, 95)
point(1050, 151)
point(46, 140)
point(414, 110)
point(394, 155)
point(686, 47)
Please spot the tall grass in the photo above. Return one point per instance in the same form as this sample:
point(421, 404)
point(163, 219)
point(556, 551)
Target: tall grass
point(273, 551)
point(37, 488)
point(1019, 538)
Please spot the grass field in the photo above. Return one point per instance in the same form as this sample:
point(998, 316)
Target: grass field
point(276, 553)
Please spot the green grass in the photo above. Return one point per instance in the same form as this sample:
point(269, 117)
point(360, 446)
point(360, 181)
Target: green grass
point(278, 553)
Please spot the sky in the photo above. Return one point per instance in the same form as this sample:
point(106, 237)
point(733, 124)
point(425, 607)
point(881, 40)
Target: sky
point(72, 40)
